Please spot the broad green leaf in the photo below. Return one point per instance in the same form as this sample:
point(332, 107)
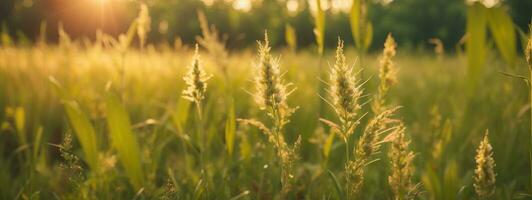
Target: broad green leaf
point(291, 37)
point(84, 132)
point(476, 42)
point(361, 27)
point(82, 126)
point(230, 129)
point(123, 140)
point(319, 29)
point(354, 20)
point(502, 29)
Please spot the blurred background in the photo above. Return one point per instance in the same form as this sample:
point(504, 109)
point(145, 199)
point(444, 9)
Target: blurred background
point(413, 22)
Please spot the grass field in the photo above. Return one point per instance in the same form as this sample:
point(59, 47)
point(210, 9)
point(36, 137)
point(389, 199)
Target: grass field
point(104, 123)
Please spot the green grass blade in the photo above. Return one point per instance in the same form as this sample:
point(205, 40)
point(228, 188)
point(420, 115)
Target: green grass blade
point(328, 144)
point(354, 20)
point(180, 116)
point(124, 141)
point(502, 29)
point(82, 126)
point(336, 184)
point(84, 132)
point(37, 142)
point(319, 26)
point(230, 129)
point(476, 42)
point(290, 36)
point(20, 124)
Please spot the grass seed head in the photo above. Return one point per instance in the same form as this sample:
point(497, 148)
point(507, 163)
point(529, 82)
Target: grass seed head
point(387, 73)
point(370, 141)
point(143, 24)
point(271, 92)
point(196, 80)
point(484, 171)
point(368, 145)
point(402, 169)
point(344, 93)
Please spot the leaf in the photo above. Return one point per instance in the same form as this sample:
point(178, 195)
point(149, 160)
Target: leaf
point(336, 184)
point(368, 36)
point(361, 27)
point(37, 142)
point(328, 144)
point(502, 29)
point(523, 36)
point(20, 124)
point(354, 20)
point(82, 126)
point(180, 116)
point(230, 129)
point(290, 37)
point(319, 29)
point(84, 132)
point(126, 39)
point(245, 147)
point(123, 140)
point(58, 88)
point(476, 42)
point(5, 39)
point(431, 183)
point(450, 181)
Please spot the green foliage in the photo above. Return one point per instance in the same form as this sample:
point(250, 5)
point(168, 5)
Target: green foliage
point(124, 141)
point(503, 31)
point(319, 26)
point(180, 115)
point(84, 132)
point(290, 37)
point(476, 46)
point(361, 27)
point(82, 126)
point(230, 129)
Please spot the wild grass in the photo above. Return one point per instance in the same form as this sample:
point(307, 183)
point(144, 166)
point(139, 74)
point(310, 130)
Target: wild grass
point(271, 94)
point(116, 115)
point(484, 172)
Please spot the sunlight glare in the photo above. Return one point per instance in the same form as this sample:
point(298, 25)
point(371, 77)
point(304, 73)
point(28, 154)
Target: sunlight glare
point(242, 5)
point(292, 6)
point(101, 2)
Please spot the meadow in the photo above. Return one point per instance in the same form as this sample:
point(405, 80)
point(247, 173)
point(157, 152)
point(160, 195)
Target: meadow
point(116, 119)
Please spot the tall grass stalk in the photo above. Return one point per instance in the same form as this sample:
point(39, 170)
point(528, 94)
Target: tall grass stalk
point(144, 23)
point(270, 95)
point(344, 95)
point(196, 82)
